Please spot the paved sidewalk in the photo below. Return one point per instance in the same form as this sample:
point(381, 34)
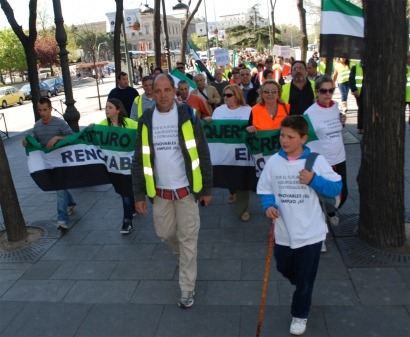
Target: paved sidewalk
point(95, 282)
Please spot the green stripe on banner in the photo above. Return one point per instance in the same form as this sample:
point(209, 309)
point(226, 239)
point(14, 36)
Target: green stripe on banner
point(180, 76)
point(233, 132)
point(341, 6)
point(266, 143)
point(225, 131)
point(106, 137)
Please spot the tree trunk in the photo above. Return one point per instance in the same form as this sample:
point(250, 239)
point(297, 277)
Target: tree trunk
point(272, 5)
point(167, 51)
point(303, 32)
point(188, 19)
point(381, 173)
point(28, 45)
point(119, 16)
point(13, 217)
point(157, 32)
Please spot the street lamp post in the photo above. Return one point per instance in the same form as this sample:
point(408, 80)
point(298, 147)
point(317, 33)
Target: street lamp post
point(71, 114)
point(207, 34)
point(127, 54)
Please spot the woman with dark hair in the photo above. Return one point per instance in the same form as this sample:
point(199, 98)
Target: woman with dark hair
point(115, 112)
point(268, 113)
point(236, 78)
point(156, 71)
point(328, 124)
point(267, 74)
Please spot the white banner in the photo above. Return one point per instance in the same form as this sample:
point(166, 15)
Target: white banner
point(132, 20)
point(230, 154)
point(222, 57)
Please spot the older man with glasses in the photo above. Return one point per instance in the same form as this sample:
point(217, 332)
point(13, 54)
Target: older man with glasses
point(300, 92)
point(219, 82)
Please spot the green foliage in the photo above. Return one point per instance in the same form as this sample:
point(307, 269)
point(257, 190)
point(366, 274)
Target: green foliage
point(12, 55)
point(198, 42)
point(88, 39)
point(240, 37)
point(290, 35)
point(47, 50)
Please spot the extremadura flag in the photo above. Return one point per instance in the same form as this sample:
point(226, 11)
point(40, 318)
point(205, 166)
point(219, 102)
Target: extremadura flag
point(95, 156)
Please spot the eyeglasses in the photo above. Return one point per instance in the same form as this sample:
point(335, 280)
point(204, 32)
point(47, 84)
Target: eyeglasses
point(267, 91)
point(228, 95)
point(325, 91)
point(180, 67)
point(298, 68)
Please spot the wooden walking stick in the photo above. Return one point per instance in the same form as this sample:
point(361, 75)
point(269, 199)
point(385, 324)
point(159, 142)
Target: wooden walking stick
point(265, 278)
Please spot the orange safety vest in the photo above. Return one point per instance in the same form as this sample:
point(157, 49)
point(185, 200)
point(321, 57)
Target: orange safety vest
point(286, 70)
point(262, 120)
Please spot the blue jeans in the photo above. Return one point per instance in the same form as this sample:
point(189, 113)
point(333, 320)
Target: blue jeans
point(344, 90)
point(64, 199)
point(300, 267)
point(129, 206)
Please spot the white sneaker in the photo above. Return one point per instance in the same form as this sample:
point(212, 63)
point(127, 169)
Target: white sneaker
point(298, 326)
point(61, 225)
point(187, 299)
point(324, 249)
point(334, 220)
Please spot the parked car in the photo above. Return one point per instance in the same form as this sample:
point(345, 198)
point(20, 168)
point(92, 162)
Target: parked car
point(56, 85)
point(44, 90)
point(10, 96)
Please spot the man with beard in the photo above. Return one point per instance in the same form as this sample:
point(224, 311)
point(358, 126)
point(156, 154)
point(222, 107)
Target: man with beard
point(300, 92)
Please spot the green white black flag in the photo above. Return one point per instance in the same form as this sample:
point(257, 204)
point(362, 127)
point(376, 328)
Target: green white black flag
point(341, 30)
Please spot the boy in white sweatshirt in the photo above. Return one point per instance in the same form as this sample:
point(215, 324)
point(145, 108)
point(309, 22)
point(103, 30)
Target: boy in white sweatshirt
point(289, 198)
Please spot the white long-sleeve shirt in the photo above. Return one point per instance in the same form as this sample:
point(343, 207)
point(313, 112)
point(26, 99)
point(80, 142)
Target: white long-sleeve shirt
point(328, 128)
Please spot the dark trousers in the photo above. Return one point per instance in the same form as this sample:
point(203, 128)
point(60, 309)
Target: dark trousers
point(129, 207)
point(300, 267)
point(359, 102)
point(340, 169)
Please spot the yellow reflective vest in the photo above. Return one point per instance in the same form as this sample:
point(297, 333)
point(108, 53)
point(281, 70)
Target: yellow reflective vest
point(138, 103)
point(343, 73)
point(359, 77)
point(286, 91)
point(190, 143)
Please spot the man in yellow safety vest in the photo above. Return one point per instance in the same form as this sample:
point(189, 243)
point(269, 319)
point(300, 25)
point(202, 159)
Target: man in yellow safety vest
point(172, 166)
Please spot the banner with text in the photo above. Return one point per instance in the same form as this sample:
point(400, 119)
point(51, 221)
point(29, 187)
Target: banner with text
point(96, 155)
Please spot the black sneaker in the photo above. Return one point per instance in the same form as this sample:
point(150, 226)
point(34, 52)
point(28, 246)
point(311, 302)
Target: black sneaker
point(126, 227)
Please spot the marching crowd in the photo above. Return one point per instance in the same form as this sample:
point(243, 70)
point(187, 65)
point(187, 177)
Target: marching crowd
point(266, 94)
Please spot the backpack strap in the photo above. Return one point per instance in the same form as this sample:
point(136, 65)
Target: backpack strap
point(191, 112)
point(310, 160)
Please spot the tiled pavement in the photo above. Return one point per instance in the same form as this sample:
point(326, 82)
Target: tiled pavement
point(95, 282)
